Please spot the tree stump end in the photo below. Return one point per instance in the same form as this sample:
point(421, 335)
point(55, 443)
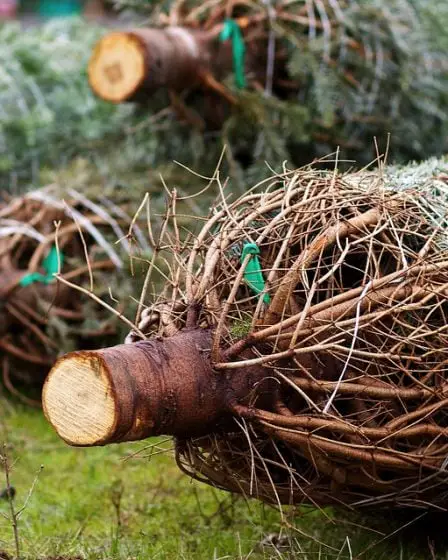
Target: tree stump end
point(79, 400)
point(117, 67)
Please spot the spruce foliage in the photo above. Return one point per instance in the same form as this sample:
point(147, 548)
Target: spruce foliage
point(344, 72)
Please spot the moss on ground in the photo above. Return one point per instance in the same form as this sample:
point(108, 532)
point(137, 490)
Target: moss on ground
point(164, 515)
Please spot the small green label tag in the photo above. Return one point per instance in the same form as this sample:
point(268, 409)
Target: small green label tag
point(232, 31)
point(49, 264)
point(252, 274)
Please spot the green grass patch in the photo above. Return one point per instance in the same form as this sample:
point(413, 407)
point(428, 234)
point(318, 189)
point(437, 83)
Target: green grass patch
point(100, 503)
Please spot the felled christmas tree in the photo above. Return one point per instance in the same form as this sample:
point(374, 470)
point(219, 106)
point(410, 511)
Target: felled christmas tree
point(298, 352)
point(279, 81)
point(288, 81)
point(83, 238)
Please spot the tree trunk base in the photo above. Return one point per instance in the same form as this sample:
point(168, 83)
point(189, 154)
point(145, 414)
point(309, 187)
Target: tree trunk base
point(133, 391)
point(125, 65)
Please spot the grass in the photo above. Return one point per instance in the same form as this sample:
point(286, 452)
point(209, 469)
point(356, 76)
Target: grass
point(100, 503)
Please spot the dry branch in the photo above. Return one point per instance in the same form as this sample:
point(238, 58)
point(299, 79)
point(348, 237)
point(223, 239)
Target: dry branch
point(39, 317)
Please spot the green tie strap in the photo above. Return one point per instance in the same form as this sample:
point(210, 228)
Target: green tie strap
point(232, 31)
point(252, 273)
point(50, 265)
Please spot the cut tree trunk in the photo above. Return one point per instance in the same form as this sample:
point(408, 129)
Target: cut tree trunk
point(134, 391)
point(127, 66)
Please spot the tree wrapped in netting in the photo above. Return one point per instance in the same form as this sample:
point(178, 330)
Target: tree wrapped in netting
point(48, 113)
point(287, 80)
point(52, 123)
point(298, 349)
point(55, 232)
point(315, 75)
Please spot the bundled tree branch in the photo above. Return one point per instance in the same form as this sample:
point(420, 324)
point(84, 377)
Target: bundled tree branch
point(41, 236)
point(337, 399)
point(318, 72)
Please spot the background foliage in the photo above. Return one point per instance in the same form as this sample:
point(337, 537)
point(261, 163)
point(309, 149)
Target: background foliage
point(360, 68)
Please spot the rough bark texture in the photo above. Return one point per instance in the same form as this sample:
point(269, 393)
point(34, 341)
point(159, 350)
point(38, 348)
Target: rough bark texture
point(159, 386)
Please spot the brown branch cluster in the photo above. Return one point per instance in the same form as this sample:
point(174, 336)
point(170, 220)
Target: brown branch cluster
point(39, 320)
point(354, 333)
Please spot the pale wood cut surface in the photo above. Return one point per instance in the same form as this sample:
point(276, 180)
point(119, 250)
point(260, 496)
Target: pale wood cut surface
point(117, 67)
point(88, 415)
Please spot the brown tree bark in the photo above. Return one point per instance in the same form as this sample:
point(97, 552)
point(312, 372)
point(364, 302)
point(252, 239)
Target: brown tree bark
point(158, 386)
point(128, 66)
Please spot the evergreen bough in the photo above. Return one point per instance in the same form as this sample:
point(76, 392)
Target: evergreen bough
point(346, 71)
point(343, 72)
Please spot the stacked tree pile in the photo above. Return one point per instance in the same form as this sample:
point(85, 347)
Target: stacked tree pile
point(299, 350)
point(43, 236)
point(308, 76)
